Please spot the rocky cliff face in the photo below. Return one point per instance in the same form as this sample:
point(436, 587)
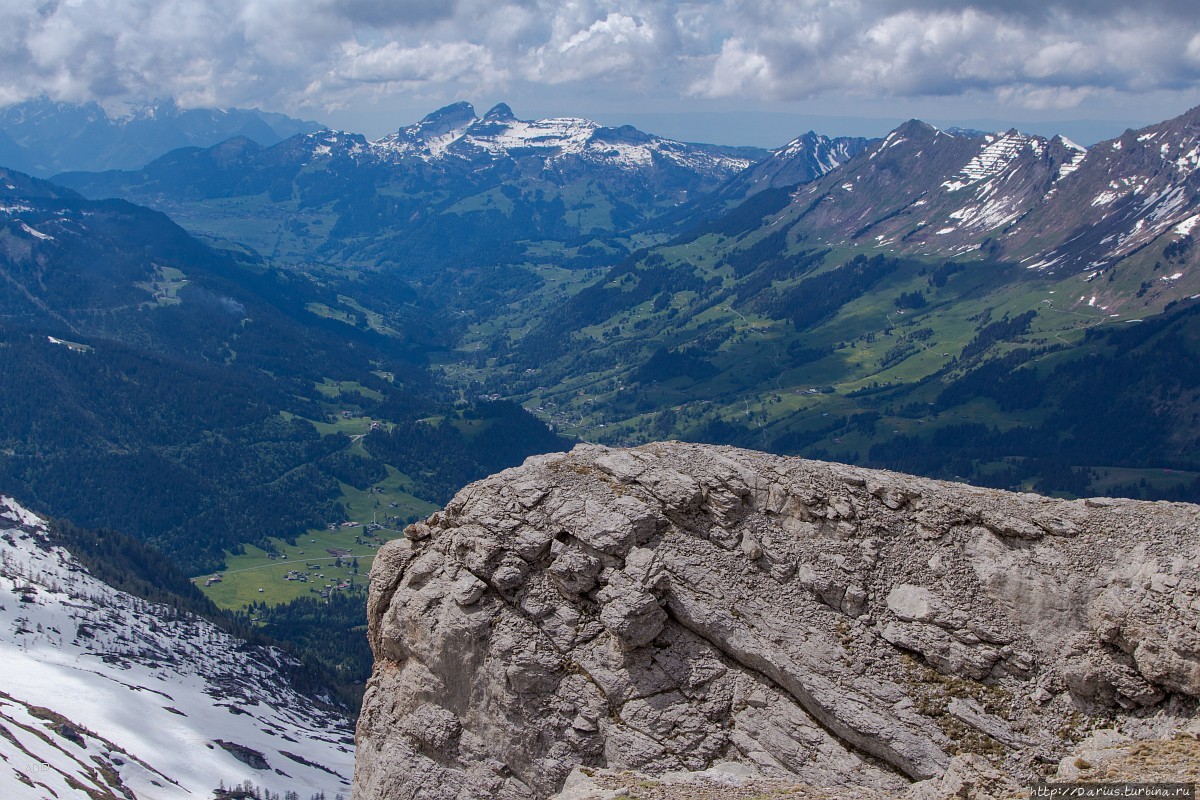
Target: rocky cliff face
point(675, 607)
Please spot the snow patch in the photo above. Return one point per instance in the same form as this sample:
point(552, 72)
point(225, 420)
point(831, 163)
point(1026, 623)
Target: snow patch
point(145, 690)
point(1046, 264)
point(994, 158)
point(554, 140)
point(36, 233)
point(1067, 167)
point(1185, 228)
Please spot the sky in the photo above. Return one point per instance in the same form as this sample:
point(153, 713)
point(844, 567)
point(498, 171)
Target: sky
point(734, 71)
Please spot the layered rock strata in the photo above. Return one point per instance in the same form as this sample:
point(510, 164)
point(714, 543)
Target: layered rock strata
point(675, 607)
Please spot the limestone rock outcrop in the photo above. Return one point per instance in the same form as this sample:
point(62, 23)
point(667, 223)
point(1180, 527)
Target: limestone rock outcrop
point(675, 607)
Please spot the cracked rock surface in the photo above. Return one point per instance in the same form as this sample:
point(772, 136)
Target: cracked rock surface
point(676, 607)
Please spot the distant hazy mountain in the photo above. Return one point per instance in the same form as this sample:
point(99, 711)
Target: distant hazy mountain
point(12, 154)
point(55, 137)
point(803, 159)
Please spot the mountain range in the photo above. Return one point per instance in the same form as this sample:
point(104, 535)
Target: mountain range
point(311, 343)
point(214, 407)
point(625, 286)
point(262, 344)
point(1049, 205)
point(453, 189)
point(953, 304)
point(43, 137)
point(1041, 202)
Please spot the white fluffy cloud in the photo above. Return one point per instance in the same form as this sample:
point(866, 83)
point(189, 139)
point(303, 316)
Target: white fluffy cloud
point(1054, 55)
point(314, 54)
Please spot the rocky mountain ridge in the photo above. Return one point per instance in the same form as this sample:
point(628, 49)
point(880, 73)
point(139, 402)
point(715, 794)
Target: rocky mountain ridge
point(676, 607)
point(1050, 204)
point(803, 159)
point(110, 696)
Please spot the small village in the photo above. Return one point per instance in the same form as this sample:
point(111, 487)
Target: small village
point(319, 571)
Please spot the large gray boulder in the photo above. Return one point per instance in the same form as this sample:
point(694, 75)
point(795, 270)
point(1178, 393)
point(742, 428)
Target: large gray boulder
point(675, 607)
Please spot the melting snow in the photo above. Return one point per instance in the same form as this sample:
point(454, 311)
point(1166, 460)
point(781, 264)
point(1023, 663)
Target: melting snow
point(890, 141)
point(1067, 167)
point(552, 140)
point(36, 233)
point(146, 691)
point(1185, 228)
point(994, 158)
point(1189, 161)
point(988, 215)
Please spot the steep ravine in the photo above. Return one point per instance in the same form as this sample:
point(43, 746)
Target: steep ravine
point(677, 607)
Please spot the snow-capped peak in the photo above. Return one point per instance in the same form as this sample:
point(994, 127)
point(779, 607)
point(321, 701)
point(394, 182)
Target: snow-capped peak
point(500, 112)
point(455, 132)
point(825, 153)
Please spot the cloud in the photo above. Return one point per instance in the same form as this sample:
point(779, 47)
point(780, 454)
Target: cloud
point(604, 48)
point(428, 62)
point(1043, 54)
point(738, 70)
point(388, 13)
point(313, 54)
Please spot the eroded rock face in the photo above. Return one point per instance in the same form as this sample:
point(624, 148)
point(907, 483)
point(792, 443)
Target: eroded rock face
point(677, 606)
